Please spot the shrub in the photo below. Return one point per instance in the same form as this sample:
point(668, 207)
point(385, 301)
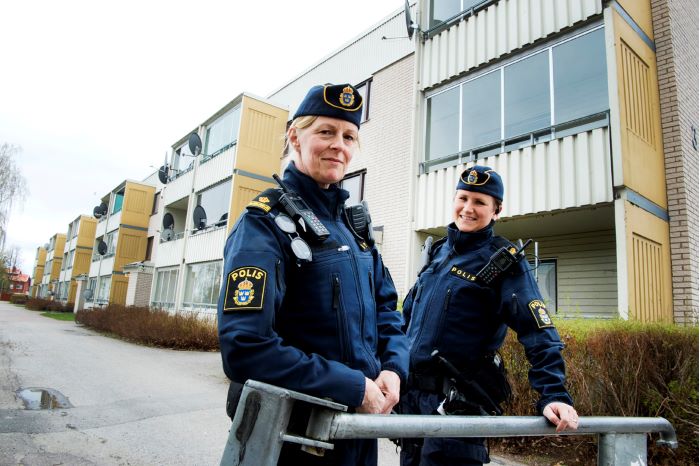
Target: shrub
point(19, 298)
point(37, 304)
point(620, 369)
point(154, 327)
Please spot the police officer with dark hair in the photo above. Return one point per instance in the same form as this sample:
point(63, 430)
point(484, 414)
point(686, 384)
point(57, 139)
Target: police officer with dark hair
point(472, 287)
point(306, 302)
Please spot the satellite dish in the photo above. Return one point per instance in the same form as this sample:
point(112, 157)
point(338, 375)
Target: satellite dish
point(168, 221)
point(195, 144)
point(87, 293)
point(97, 211)
point(222, 219)
point(167, 234)
point(410, 25)
point(163, 174)
point(199, 216)
point(103, 208)
point(102, 248)
point(46, 245)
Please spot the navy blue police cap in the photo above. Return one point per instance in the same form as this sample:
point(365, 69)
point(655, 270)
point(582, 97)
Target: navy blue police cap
point(333, 100)
point(482, 179)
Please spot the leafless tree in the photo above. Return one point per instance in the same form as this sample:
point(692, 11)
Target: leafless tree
point(13, 186)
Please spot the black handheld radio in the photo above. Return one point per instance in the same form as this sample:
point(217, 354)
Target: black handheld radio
point(500, 261)
point(297, 208)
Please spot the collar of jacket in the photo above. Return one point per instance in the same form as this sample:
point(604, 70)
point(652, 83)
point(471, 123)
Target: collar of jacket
point(463, 241)
point(324, 202)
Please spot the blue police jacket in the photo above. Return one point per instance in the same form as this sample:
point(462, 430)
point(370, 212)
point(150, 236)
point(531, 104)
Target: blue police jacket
point(316, 327)
point(450, 310)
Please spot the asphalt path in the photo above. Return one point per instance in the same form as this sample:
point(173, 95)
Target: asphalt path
point(132, 405)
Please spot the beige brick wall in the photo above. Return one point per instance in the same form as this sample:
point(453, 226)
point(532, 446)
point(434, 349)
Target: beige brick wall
point(138, 292)
point(385, 140)
point(676, 38)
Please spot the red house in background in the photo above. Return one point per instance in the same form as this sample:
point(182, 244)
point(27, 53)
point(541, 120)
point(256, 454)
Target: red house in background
point(19, 282)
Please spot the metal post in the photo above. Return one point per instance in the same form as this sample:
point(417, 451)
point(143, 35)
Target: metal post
point(622, 449)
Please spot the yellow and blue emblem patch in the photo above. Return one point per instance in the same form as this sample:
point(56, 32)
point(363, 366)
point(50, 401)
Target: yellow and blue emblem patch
point(539, 312)
point(245, 289)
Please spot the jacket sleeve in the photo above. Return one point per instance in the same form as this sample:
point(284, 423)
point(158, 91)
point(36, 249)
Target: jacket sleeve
point(525, 312)
point(393, 343)
point(252, 291)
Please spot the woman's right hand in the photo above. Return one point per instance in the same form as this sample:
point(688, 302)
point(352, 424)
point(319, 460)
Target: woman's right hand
point(374, 399)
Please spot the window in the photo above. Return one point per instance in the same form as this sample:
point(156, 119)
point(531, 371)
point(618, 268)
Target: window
point(354, 183)
point(443, 124)
point(547, 282)
point(111, 240)
point(364, 90)
point(92, 286)
point(118, 200)
point(156, 198)
point(202, 284)
point(517, 103)
point(166, 283)
point(71, 257)
point(103, 285)
point(222, 133)
point(183, 160)
point(149, 248)
point(442, 10)
point(216, 201)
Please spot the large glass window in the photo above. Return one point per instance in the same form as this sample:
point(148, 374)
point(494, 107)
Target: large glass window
point(92, 286)
point(442, 10)
point(166, 283)
point(481, 110)
point(355, 185)
point(216, 202)
point(547, 282)
point(222, 133)
point(203, 282)
point(111, 240)
point(443, 124)
point(580, 87)
point(526, 95)
point(103, 285)
point(118, 200)
point(531, 95)
point(364, 90)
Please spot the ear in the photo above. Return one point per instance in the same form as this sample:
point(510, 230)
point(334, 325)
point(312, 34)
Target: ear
point(293, 138)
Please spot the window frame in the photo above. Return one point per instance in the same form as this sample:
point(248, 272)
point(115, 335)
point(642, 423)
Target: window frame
point(363, 180)
point(202, 306)
point(553, 131)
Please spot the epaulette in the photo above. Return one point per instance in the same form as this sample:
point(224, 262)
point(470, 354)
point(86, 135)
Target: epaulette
point(266, 200)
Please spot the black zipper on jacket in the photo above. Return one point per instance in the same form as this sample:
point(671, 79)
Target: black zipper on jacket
point(342, 324)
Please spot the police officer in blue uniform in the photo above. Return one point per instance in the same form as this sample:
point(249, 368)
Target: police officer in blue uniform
point(306, 302)
point(472, 287)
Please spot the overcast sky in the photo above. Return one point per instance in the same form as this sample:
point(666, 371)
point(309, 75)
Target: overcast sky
point(97, 92)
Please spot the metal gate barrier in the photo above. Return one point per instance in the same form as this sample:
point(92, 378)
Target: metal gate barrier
point(261, 423)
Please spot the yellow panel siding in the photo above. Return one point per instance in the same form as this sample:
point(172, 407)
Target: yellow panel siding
point(138, 204)
point(81, 261)
point(71, 291)
point(640, 12)
point(131, 247)
point(86, 231)
point(117, 292)
point(641, 150)
point(244, 190)
point(261, 137)
point(649, 265)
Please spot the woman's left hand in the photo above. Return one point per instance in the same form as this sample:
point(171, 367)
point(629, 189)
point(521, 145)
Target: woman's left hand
point(390, 384)
point(561, 415)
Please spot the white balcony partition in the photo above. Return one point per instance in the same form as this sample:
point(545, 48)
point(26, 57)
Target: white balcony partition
point(573, 171)
point(178, 188)
point(94, 269)
point(215, 169)
point(497, 30)
point(206, 246)
point(170, 253)
point(100, 228)
point(114, 221)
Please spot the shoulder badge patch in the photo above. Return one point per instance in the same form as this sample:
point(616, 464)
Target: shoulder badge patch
point(265, 200)
point(245, 289)
point(539, 312)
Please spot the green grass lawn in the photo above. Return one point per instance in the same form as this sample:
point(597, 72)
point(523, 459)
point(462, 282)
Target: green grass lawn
point(69, 316)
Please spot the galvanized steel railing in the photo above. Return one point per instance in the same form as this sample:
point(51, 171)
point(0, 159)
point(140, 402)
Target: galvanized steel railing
point(260, 428)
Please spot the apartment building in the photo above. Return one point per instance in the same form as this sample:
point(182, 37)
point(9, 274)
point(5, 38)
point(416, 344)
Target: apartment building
point(77, 256)
point(52, 266)
point(120, 238)
point(37, 271)
point(204, 194)
point(562, 99)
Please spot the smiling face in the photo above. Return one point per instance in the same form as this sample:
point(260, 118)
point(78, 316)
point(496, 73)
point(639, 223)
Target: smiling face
point(473, 211)
point(324, 149)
